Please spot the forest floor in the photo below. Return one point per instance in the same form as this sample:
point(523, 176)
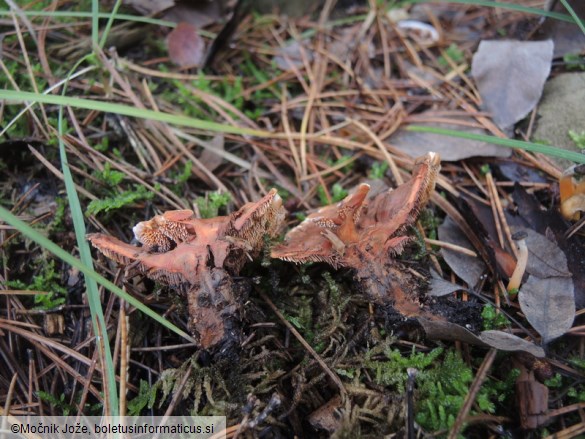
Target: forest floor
point(447, 308)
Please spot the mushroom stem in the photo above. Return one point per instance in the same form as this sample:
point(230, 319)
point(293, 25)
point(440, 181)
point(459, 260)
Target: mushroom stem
point(516, 278)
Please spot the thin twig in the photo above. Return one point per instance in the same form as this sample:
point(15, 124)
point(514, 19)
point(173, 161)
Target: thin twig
point(472, 393)
point(306, 345)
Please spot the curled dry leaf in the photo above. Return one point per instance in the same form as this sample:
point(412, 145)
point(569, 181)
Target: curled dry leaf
point(504, 341)
point(199, 255)
point(361, 233)
point(467, 267)
point(440, 287)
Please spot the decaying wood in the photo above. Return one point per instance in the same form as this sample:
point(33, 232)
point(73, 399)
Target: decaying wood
point(531, 400)
point(199, 256)
point(365, 234)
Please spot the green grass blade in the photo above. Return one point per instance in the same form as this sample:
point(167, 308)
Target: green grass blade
point(98, 320)
point(32, 234)
point(510, 143)
point(574, 15)
point(510, 6)
point(118, 17)
point(109, 24)
point(126, 110)
point(95, 23)
point(84, 14)
point(93, 295)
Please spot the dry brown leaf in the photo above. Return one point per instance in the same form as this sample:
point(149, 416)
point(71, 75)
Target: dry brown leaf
point(497, 339)
point(545, 258)
point(186, 47)
point(510, 77)
point(467, 267)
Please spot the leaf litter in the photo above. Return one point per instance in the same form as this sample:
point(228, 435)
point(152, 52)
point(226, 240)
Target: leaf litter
point(328, 121)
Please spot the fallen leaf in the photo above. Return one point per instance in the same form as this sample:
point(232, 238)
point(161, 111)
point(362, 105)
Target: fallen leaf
point(547, 221)
point(504, 341)
point(449, 148)
point(210, 157)
point(186, 47)
point(514, 171)
point(510, 77)
point(545, 258)
point(480, 219)
point(439, 287)
point(548, 304)
point(150, 7)
point(440, 330)
point(199, 13)
point(467, 267)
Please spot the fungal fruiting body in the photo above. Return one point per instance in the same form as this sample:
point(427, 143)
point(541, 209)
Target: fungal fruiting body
point(199, 256)
point(365, 233)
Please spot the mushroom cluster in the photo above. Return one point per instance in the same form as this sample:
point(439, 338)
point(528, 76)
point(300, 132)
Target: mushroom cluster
point(362, 233)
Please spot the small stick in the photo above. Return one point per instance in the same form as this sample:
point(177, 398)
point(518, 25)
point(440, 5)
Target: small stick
point(306, 345)
point(473, 390)
point(450, 246)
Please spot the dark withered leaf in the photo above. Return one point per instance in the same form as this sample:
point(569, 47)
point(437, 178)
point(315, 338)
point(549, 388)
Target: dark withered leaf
point(467, 267)
point(510, 76)
point(548, 304)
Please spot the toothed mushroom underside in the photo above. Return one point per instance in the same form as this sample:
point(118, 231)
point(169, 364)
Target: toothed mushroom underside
point(364, 233)
point(199, 255)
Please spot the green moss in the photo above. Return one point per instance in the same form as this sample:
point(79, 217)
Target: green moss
point(453, 52)
point(211, 203)
point(109, 176)
point(578, 138)
point(59, 214)
point(441, 386)
point(493, 319)
point(58, 403)
point(205, 388)
point(392, 371)
point(145, 399)
point(49, 280)
point(378, 170)
point(118, 201)
point(337, 194)
point(574, 61)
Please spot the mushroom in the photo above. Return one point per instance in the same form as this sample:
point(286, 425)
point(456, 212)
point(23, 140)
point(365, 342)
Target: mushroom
point(516, 278)
point(199, 256)
point(364, 234)
point(572, 192)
